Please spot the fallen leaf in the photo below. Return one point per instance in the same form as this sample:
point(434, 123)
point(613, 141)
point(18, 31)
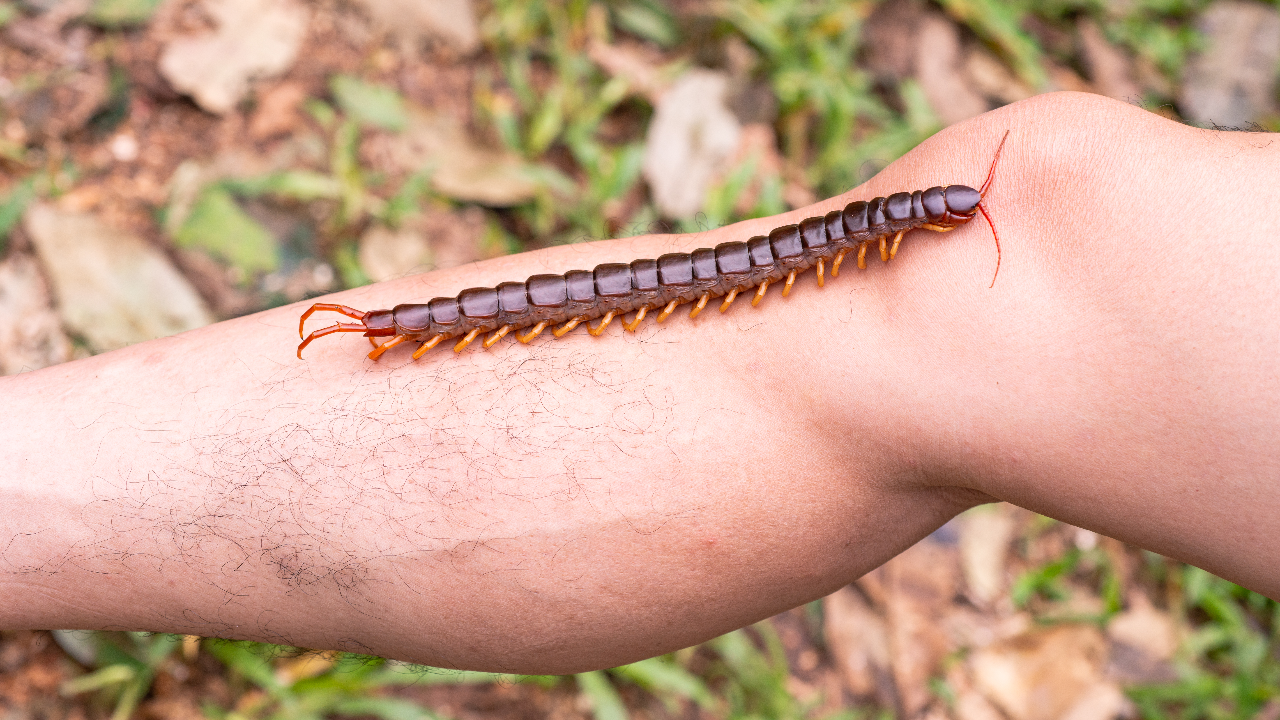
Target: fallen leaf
point(386, 254)
point(112, 288)
point(1041, 674)
point(638, 65)
point(859, 644)
point(218, 226)
point(985, 535)
point(1232, 81)
point(1144, 640)
point(368, 103)
point(431, 240)
point(253, 39)
point(277, 111)
point(119, 13)
point(690, 139)
point(461, 168)
point(991, 78)
point(1109, 67)
point(30, 333)
point(920, 585)
point(939, 70)
point(453, 21)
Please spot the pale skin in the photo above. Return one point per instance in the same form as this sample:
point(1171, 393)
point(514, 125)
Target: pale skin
point(584, 502)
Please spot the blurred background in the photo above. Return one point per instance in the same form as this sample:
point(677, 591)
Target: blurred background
point(165, 164)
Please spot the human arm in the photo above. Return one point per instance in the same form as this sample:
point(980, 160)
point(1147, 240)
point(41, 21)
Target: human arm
point(584, 502)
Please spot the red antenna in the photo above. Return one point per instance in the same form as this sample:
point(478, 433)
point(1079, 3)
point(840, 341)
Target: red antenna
point(991, 174)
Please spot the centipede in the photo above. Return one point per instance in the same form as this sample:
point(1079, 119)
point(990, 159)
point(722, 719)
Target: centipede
point(612, 290)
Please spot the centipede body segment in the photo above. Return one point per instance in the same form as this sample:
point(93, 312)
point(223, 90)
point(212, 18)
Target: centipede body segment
point(614, 289)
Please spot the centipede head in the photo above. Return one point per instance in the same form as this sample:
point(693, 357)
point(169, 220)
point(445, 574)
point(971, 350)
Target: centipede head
point(955, 205)
point(375, 323)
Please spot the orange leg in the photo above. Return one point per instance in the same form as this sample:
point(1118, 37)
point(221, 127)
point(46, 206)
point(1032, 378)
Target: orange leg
point(334, 328)
point(896, 239)
point(631, 326)
point(835, 264)
point(666, 312)
point(862, 256)
point(702, 302)
point(821, 279)
point(564, 329)
point(728, 299)
point(427, 346)
point(604, 323)
point(494, 338)
point(537, 330)
point(884, 248)
point(760, 293)
point(466, 340)
point(377, 352)
point(791, 279)
point(329, 307)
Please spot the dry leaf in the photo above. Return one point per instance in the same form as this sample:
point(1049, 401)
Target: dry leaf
point(938, 69)
point(112, 288)
point(254, 38)
point(1109, 67)
point(920, 585)
point(1041, 674)
point(412, 21)
point(985, 535)
point(30, 333)
point(461, 168)
point(690, 139)
point(991, 78)
point(277, 111)
point(1144, 638)
point(1232, 81)
point(859, 644)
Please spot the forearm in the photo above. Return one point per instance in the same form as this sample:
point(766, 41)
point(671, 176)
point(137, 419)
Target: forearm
point(636, 493)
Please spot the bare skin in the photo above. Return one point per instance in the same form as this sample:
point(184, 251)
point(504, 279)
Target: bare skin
point(584, 502)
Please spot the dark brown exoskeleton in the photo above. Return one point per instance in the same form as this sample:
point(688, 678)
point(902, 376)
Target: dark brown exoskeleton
point(614, 289)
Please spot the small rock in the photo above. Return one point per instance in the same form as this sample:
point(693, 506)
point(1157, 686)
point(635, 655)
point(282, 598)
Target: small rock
point(112, 288)
point(254, 38)
point(30, 333)
point(690, 139)
point(1231, 83)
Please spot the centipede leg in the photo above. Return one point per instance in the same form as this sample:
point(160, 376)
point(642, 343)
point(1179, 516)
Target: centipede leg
point(666, 312)
point(884, 248)
point(334, 328)
point(702, 302)
point(466, 340)
point(822, 280)
point(791, 279)
point(862, 256)
point(760, 292)
point(896, 239)
point(377, 352)
point(494, 338)
point(835, 264)
point(631, 326)
point(604, 323)
point(537, 330)
point(329, 307)
point(728, 299)
point(427, 346)
point(564, 329)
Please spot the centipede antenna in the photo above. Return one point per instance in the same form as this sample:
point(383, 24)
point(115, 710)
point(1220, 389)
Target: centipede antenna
point(335, 328)
point(992, 172)
point(997, 237)
point(330, 307)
